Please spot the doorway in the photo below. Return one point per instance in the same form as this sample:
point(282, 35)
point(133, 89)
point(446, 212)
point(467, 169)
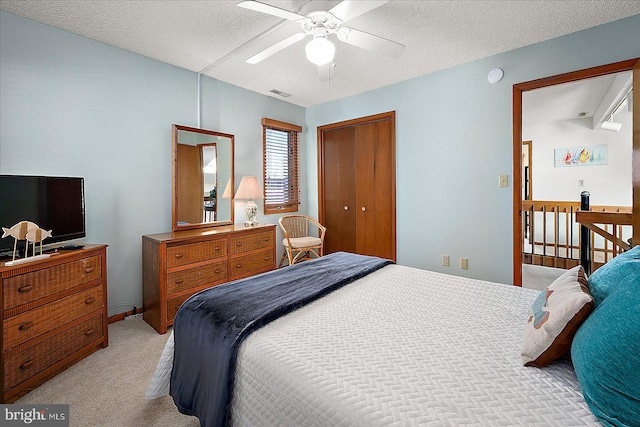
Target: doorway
point(519, 179)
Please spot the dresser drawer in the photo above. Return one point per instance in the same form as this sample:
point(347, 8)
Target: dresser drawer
point(26, 364)
point(18, 290)
point(195, 252)
point(196, 277)
point(173, 305)
point(249, 242)
point(253, 262)
point(30, 324)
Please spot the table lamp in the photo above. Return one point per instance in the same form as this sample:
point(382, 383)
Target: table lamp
point(249, 189)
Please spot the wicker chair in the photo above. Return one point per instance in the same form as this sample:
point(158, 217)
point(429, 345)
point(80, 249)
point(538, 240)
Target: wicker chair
point(298, 243)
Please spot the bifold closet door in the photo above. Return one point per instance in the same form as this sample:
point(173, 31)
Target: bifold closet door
point(375, 189)
point(357, 183)
point(339, 189)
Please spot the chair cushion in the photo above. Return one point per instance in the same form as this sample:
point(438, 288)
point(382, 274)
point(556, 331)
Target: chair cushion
point(555, 317)
point(303, 242)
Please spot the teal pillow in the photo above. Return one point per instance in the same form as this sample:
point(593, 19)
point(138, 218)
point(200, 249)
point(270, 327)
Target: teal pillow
point(606, 356)
point(606, 278)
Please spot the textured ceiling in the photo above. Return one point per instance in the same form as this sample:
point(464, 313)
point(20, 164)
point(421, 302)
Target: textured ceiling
point(215, 37)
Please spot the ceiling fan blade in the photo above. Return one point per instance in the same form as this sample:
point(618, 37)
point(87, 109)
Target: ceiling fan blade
point(270, 10)
point(349, 9)
point(370, 42)
point(326, 71)
point(275, 48)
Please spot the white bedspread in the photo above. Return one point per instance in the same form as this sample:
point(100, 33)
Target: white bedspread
point(402, 347)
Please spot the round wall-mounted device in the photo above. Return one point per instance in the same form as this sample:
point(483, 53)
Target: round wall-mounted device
point(495, 75)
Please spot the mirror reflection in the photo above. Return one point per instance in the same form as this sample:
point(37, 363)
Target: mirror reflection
point(203, 169)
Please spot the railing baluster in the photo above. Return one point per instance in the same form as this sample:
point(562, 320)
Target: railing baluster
point(544, 233)
point(585, 249)
point(556, 236)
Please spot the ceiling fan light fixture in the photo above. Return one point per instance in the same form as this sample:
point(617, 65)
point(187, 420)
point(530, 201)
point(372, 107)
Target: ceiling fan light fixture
point(343, 34)
point(320, 50)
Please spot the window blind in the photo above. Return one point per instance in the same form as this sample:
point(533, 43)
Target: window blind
point(281, 170)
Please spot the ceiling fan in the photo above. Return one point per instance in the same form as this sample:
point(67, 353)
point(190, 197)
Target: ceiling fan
point(320, 24)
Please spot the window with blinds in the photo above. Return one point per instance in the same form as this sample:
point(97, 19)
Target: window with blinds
point(281, 183)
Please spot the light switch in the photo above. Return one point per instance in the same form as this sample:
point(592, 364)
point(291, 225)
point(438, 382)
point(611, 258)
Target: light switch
point(504, 181)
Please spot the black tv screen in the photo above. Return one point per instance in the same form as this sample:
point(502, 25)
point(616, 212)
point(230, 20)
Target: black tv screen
point(54, 203)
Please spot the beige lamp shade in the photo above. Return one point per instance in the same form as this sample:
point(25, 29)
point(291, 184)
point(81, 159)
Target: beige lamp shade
point(249, 189)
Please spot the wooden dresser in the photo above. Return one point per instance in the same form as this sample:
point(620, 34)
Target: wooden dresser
point(54, 313)
point(177, 265)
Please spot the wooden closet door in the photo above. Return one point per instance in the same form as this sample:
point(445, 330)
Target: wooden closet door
point(339, 184)
point(375, 194)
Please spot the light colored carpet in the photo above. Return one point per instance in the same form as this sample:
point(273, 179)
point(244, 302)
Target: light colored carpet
point(539, 277)
point(108, 387)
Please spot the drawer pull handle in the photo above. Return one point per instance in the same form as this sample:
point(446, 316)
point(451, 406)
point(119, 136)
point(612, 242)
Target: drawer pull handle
point(89, 332)
point(178, 281)
point(266, 239)
point(27, 364)
point(238, 265)
point(266, 258)
point(238, 243)
point(25, 288)
point(88, 269)
point(89, 300)
point(217, 248)
point(179, 255)
point(25, 326)
point(218, 271)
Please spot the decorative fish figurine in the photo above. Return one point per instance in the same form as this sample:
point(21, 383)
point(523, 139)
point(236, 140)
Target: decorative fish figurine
point(19, 232)
point(37, 236)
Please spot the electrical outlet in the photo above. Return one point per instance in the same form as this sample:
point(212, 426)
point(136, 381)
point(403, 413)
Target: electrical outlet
point(445, 260)
point(464, 263)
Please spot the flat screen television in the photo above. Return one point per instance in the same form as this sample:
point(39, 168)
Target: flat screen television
point(54, 203)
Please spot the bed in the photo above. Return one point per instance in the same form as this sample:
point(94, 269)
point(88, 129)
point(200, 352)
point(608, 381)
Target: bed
point(397, 347)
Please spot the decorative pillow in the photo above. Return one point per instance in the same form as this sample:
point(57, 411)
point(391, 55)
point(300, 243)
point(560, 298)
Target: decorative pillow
point(607, 277)
point(554, 318)
point(606, 356)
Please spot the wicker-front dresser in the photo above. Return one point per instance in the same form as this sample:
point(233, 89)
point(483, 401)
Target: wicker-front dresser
point(177, 265)
point(54, 313)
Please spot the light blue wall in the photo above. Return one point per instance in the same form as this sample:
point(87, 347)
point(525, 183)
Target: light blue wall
point(453, 140)
point(73, 106)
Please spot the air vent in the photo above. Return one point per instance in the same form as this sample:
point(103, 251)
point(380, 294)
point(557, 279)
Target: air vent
point(583, 114)
point(281, 93)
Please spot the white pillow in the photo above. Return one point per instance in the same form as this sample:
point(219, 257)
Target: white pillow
point(554, 318)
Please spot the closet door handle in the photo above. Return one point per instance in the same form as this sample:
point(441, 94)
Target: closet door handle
point(346, 208)
point(364, 209)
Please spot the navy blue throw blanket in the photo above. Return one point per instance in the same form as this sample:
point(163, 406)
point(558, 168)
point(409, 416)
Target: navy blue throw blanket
point(210, 326)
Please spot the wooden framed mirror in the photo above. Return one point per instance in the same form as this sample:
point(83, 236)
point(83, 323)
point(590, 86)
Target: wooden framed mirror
point(202, 178)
